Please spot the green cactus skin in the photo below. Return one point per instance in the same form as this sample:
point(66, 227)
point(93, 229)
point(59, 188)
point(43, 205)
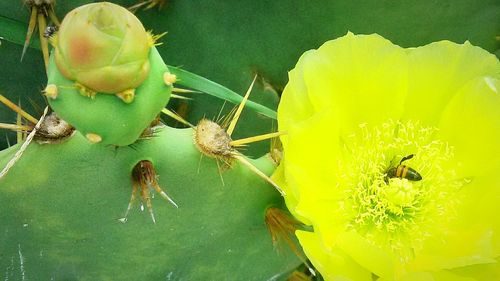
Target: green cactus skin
point(117, 123)
point(60, 205)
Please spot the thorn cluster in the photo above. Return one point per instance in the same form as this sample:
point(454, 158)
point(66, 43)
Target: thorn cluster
point(144, 179)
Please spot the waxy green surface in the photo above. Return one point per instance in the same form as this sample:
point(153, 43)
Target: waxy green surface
point(117, 122)
point(60, 208)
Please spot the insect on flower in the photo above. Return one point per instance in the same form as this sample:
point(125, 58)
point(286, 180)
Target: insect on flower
point(402, 171)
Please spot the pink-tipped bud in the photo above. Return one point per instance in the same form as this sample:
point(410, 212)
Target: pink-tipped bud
point(104, 47)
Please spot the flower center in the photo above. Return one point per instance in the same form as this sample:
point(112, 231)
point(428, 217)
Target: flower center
point(399, 195)
point(394, 203)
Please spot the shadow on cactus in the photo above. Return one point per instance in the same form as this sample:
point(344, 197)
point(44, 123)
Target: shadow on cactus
point(63, 195)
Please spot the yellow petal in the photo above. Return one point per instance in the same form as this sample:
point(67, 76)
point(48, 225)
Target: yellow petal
point(459, 249)
point(311, 154)
point(437, 71)
point(334, 265)
point(295, 105)
point(445, 275)
point(471, 124)
point(414, 276)
point(361, 78)
point(354, 71)
point(442, 275)
point(379, 261)
point(292, 193)
point(480, 272)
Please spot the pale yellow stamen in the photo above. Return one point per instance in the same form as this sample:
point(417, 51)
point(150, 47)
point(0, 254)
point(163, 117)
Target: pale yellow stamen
point(397, 208)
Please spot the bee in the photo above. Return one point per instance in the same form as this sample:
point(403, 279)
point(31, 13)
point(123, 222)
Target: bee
point(402, 171)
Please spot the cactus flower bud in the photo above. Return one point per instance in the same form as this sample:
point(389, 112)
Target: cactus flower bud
point(105, 76)
point(103, 47)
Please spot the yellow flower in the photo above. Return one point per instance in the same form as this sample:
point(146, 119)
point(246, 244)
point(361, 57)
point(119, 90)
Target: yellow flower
point(354, 109)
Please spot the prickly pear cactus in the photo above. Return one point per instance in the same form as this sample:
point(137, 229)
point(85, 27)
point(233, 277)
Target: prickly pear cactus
point(126, 197)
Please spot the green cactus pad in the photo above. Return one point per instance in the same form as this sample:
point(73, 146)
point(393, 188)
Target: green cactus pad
point(116, 122)
point(60, 207)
